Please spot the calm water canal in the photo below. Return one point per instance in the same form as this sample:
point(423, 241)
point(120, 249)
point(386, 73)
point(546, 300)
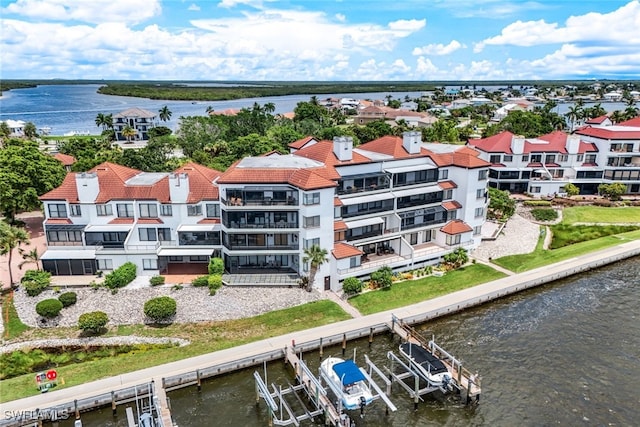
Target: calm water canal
point(565, 354)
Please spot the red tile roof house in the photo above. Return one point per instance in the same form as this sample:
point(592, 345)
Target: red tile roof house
point(594, 154)
point(394, 201)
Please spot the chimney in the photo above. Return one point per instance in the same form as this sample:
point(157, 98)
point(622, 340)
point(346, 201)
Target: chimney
point(412, 141)
point(178, 187)
point(517, 144)
point(343, 148)
point(573, 144)
point(87, 186)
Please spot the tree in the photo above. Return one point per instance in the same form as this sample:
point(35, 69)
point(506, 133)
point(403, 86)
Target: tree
point(457, 258)
point(31, 257)
point(501, 206)
point(165, 114)
point(100, 121)
point(315, 256)
point(30, 130)
point(571, 189)
point(5, 130)
point(612, 191)
point(10, 238)
point(129, 132)
point(25, 174)
point(573, 114)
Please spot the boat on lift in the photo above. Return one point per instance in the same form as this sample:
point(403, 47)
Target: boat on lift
point(431, 368)
point(347, 382)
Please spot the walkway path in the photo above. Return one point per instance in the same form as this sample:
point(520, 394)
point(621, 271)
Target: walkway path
point(418, 312)
point(351, 310)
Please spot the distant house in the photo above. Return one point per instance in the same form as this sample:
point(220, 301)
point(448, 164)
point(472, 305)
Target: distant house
point(602, 121)
point(16, 127)
point(66, 160)
point(612, 96)
point(409, 105)
point(137, 118)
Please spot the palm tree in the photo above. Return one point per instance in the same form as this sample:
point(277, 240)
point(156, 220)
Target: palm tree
point(100, 121)
point(315, 256)
point(573, 114)
point(165, 114)
point(31, 257)
point(11, 238)
point(108, 121)
point(630, 112)
point(129, 132)
point(597, 111)
point(617, 116)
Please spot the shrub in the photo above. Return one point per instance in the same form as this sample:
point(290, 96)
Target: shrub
point(157, 280)
point(160, 308)
point(35, 282)
point(68, 299)
point(382, 278)
point(571, 189)
point(121, 276)
point(216, 266)
point(214, 283)
point(49, 307)
point(352, 285)
point(544, 214)
point(537, 203)
point(200, 281)
point(93, 321)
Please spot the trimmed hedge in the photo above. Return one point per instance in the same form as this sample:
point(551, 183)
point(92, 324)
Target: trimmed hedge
point(352, 285)
point(68, 299)
point(156, 280)
point(121, 276)
point(537, 203)
point(160, 308)
point(214, 283)
point(200, 281)
point(35, 282)
point(49, 307)
point(93, 321)
point(216, 266)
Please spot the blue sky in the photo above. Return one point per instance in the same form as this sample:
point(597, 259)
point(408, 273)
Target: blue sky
point(320, 39)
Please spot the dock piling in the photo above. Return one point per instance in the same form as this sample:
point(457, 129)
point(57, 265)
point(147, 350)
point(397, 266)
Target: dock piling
point(344, 344)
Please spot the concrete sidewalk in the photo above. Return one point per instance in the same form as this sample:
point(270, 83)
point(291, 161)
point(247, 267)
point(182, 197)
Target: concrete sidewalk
point(412, 314)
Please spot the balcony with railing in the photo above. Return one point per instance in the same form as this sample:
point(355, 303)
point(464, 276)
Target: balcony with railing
point(261, 242)
point(260, 219)
point(363, 183)
point(366, 208)
point(420, 199)
point(260, 197)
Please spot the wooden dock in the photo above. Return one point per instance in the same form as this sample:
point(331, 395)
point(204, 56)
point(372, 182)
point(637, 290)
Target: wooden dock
point(162, 403)
point(466, 382)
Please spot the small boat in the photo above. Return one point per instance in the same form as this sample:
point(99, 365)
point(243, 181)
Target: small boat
point(429, 365)
point(348, 382)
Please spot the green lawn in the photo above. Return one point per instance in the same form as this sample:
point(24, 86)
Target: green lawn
point(600, 214)
point(414, 291)
point(540, 257)
point(205, 337)
point(13, 326)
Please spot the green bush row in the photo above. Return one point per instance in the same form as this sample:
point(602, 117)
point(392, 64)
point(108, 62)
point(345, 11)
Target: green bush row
point(544, 214)
point(537, 203)
point(121, 276)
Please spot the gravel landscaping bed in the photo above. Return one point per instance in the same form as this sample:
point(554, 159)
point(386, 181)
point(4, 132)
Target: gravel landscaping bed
point(519, 236)
point(90, 341)
point(194, 304)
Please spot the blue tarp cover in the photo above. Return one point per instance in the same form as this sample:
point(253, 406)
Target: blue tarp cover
point(348, 372)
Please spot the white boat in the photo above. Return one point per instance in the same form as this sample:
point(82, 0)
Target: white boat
point(348, 382)
point(429, 365)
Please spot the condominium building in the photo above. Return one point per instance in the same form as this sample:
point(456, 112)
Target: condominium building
point(594, 154)
point(139, 119)
point(394, 201)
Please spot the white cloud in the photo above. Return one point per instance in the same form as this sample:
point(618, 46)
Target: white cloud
point(340, 17)
point(233, 3)
point(194, 7)
point(488, 9)
point(408, 25)
point(93, 11)
point(438, 49)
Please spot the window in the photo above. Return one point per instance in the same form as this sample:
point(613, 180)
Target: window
point(563, 157)
point(479, 212)
point(104, 210)
point(150, 264)
point(507, 158)
point(194, 210)
point(166, 210)
point(312, 198)
point(447, 194)
point(312, 221)
point(580, 157)
point(148, 210)
point(147, 234)
point(104, 264)
point(308, 243)
point(494, 158)
point(480, 193)
point(590, 158)
point(536, 158)
point(525, 157)
point(75, 210)
point(354, 262)
point(453, 239)
point(482, 174)
point(164, 234)
point(198, 258)
point(125, 210)
point(444, 174)
point(64, 236)
point(213, 210)
point(175, 259)
point(58, 210)
point(477, 230)
point(550, 158)
point(535, 189)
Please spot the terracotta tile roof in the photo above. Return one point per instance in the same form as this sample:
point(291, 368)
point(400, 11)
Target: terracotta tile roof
point(302, 142)
point(65, 159)
point(597, 120)
point(447, 185)
point(121, 221)
point(456, 227)
point(112, 180)
point(201, 186)
point(468, 161)
point(391, 146)
point(322, 151)
point(608, 133)
point(227, 112)
point(343, 250)
point(337, 202)
point(499, 143)
point(339, 225)
point(306, 179)
point(66, 191)
point(53, 221)
point(556, 143)
point(209, 221)
point(150, 221)
point(631, 122)
point(587, 147)
point(451, 205)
